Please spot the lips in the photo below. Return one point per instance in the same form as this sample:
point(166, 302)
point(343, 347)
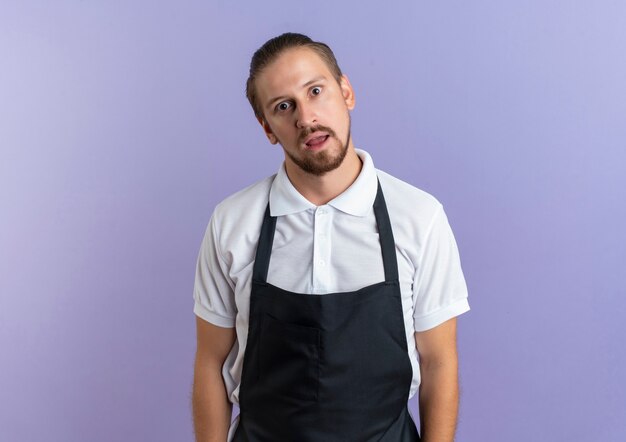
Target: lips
point(317, 141)
point(316, 138)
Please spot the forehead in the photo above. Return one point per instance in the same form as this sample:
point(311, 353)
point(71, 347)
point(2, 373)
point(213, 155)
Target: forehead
point(291, 69)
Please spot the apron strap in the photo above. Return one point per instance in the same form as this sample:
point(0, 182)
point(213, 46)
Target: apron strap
point(264, 247)
point(385, 233)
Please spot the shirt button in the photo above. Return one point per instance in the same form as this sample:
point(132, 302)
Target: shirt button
point(322, 263)
point(322, 211)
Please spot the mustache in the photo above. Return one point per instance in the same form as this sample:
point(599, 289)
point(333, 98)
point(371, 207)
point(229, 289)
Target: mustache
point(308, 131)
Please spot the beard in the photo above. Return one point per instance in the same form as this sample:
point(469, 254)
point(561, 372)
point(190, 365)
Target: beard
point(320, 163)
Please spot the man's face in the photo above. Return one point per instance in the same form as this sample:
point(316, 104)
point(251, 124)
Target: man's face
point(306, 110)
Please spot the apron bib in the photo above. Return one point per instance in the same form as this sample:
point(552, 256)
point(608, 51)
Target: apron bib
point(326, 368)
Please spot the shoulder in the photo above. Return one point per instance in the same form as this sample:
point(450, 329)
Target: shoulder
point(408, 206)
point(239, 216)
point(251, 199)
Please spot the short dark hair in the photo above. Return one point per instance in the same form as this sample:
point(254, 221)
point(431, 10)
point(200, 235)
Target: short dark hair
point(272, 48)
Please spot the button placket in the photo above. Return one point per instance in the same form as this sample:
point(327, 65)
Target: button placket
point(321, 249)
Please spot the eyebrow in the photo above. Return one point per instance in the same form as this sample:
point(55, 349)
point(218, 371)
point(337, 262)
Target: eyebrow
point(308, 83)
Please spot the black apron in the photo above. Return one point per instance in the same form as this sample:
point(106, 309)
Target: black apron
point(326, 368)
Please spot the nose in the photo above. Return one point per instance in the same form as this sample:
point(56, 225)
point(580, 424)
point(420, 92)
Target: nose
point(305, 115)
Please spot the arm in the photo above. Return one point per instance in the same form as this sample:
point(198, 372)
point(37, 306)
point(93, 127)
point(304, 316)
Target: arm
point(212, 411)
point(439, 389)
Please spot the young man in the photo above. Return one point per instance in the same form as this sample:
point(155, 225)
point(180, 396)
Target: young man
point(317, 288)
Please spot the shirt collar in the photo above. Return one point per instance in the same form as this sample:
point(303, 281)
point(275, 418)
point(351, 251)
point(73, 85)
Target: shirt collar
point(356, 200)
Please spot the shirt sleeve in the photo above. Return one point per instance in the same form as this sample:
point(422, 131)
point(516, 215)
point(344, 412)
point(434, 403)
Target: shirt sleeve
point(439, 289)
point(213, 293)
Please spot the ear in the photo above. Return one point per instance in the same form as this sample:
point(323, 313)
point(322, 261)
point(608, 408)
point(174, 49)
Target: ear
point(347, 92)
point(267, 129)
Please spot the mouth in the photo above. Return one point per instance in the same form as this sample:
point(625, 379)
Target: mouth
point(315, 142)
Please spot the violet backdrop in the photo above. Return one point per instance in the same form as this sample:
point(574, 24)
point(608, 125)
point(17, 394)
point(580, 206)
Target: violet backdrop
point(122, 124)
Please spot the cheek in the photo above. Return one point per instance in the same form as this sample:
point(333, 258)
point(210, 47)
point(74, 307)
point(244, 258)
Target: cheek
point(281, 128)
point(335, 111)
point(341, 118)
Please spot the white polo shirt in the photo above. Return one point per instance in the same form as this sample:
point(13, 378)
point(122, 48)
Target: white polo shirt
point(328, 249)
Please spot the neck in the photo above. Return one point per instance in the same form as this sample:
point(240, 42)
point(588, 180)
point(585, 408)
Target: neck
point(319, 190)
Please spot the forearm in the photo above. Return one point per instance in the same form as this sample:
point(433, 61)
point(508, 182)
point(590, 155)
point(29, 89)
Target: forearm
point(212, 411)
point(439, 400)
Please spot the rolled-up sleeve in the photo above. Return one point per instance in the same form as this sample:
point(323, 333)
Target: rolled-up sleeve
point(439, 288)
point(213, 289)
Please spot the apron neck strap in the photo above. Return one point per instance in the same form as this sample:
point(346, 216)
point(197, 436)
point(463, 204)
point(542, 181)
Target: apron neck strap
point(385, 233)
point(264, 247)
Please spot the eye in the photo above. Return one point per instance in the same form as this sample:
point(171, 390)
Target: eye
point(283, 106)
point(316, 90)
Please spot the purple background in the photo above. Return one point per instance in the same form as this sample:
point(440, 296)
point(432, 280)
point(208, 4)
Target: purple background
point(122, 125)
